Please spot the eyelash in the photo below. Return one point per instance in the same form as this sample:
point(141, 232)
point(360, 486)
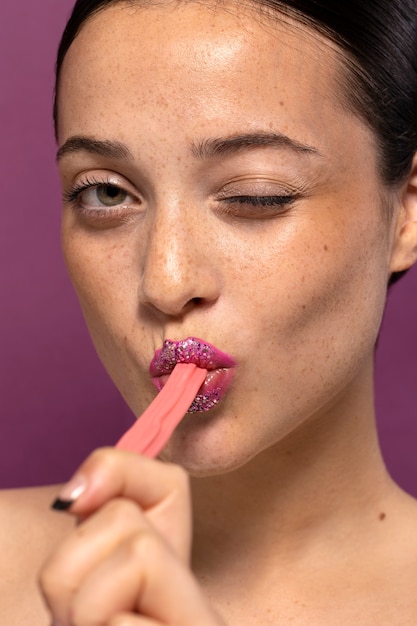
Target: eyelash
point(72, 195)
point(263, 201)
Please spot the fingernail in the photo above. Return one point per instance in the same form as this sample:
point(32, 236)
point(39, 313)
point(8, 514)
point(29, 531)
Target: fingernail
point(70, 493)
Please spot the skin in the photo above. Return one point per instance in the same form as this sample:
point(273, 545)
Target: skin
point(29, 530)
point(290, 497)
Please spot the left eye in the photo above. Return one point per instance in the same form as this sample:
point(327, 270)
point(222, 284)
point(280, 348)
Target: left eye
point(104, 196)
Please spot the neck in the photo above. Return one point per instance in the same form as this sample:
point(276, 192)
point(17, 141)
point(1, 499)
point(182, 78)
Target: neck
point(309, 490)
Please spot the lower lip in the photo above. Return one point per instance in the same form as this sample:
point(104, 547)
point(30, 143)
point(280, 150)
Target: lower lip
point(211, 391)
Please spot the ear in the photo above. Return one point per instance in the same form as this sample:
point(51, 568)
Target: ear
point(404, 251)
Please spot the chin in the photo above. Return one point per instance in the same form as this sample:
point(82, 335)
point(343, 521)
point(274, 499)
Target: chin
point(202, 465)
point(209, 451)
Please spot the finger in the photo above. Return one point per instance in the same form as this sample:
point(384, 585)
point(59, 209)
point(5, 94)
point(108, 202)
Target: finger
point(161, 490)
point(109, 472)
point(142, 577)
point(84, 549)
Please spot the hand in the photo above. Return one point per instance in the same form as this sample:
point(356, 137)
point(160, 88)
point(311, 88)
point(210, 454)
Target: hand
point(127, 561)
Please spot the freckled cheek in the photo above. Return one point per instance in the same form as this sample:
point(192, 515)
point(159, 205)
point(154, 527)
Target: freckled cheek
point(99, 273)
point(305, 283)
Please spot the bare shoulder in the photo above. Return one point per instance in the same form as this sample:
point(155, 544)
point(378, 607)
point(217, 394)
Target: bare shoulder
point(28, 531)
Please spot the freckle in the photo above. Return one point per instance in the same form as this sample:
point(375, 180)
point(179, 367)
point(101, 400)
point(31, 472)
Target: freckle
point(382, 516)
point(281, 104)
point(325, 248)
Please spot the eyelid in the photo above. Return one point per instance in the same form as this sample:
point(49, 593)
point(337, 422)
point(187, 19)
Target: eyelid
point(96, 179)
point(258, 187)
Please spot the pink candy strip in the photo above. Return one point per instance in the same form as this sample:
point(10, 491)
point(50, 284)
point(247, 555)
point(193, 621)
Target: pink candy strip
point(151, 432)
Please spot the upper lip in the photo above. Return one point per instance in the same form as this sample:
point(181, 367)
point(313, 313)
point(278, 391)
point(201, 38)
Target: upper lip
point(190, 350)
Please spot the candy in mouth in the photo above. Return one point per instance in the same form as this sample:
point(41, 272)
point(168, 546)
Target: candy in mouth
point(151, 432)
point(209, 394)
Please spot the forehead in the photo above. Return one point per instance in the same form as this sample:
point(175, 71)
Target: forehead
point(191, 61)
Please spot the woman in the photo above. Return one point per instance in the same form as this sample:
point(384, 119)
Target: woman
point(244, 174)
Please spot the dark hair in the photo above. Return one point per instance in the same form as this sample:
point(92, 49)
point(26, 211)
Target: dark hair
point(378, 39)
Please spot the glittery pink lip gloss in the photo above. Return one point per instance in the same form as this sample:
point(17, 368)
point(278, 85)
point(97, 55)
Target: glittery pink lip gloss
point(220, 368)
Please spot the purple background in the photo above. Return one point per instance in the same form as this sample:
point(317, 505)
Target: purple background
point(56, 400)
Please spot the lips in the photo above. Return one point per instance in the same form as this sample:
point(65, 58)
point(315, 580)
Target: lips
point(193, 350)
point(190, 350)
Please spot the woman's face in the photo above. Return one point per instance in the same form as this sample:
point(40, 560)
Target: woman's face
point(249, 215)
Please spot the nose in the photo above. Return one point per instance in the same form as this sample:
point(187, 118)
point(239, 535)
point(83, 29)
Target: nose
point(178, 267)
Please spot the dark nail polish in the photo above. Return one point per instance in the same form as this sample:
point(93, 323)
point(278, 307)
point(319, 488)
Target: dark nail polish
point(61, 505)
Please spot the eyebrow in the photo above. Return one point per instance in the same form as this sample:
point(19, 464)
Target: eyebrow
point(105, 148)
point(207, 149)
point(211, 148)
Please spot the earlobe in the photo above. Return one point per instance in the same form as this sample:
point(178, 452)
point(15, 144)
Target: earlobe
point(404, 253)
